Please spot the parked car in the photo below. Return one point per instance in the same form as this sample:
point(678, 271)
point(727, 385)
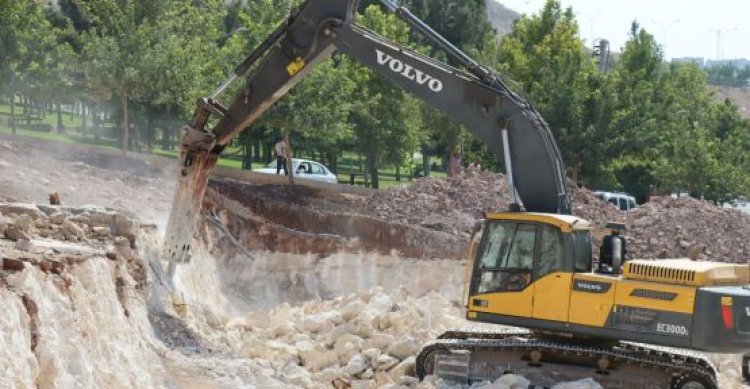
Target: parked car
point(623, 201)
point(304, 168)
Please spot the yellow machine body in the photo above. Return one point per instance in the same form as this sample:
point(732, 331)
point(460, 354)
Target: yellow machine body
point(534, 270)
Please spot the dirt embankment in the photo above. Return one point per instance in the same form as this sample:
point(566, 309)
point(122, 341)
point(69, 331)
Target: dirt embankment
point(433, 218)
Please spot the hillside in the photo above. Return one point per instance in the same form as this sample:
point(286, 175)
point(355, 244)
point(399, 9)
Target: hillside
point(739, 96)
point(500, 16)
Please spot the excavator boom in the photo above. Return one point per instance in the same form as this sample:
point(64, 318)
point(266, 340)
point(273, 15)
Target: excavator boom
point(475, 97)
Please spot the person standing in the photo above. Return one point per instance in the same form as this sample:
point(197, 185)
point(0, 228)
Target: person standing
point(281, 151)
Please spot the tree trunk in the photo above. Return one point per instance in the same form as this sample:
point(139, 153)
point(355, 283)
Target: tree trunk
point(373, 170)
point(83, 118)
point(165, 129)
point(425, 160)
point(60, 128)
point(289, 164)
point(13, 112)
point(575, 167)
point(398, 173)
point(125, 123)
point(333, 163)
point(256, 148)
point(247, 150)
point(95, 120)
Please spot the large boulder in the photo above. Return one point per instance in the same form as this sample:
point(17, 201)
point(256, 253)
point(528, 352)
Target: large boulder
point(118, 223)
point(404, 348)
point(407, 367)
point(586, 383)
point(22, 209)
point(356, 365)
point(72, 231)
point(385, 362)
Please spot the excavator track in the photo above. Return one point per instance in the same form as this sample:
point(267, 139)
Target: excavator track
point(469, 355)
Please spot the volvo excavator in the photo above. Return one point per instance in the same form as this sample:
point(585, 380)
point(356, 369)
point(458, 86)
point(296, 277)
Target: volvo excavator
point(529, 269)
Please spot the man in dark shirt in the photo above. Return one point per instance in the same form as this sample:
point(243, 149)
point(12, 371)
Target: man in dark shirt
point(612, 253)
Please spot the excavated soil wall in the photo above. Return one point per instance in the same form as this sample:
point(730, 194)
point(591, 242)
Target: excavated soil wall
point(284, 218)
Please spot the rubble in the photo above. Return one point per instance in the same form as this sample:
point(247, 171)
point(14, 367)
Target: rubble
point(665, 227)
point(445, 204)
point(669, 227)
point(365, 347)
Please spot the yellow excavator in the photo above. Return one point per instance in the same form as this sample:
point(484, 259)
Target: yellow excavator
point(534, 270)
point(530, 267)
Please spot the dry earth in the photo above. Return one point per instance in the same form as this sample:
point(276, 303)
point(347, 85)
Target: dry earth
point(88, 305)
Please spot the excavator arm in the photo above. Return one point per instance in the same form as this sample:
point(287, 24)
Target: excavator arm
point(476, 97)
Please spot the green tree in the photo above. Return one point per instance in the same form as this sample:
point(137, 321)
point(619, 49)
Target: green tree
point(386, 119)
point(466, 25)
point(546, 56)
point(29, 58)
point(164, 52)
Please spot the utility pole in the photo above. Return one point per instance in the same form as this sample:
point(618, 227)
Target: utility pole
point(601, 52)
point(718, 42)
point(719, 45)
point(664, 31)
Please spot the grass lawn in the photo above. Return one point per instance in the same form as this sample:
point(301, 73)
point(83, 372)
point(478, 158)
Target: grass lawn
point(347, 163)
point(68, 119)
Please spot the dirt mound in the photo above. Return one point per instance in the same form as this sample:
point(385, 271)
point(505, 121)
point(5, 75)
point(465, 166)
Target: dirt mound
point(668, 227)
point(448, 205)
point(662, 228)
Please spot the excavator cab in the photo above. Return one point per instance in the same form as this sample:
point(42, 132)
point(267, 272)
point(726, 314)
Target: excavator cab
point(524, 263)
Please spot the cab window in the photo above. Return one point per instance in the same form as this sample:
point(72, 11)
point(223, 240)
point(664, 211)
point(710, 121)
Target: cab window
point(582, 251)
point(551, 257)
point(506, 257)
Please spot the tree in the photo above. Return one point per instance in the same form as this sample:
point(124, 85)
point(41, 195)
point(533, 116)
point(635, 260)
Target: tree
point(545, 55)
point(386, 119)
point(29, 58)
point(466, 25)
point(163, 52)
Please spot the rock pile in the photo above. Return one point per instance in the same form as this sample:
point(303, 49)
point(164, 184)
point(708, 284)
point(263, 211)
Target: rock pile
point(34, 234)
point(449, 205)
point(662, 228)
point(366, 340)
point(363, 340)
point(667, 227)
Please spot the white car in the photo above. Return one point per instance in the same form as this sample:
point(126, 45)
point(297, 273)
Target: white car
point(620, 200)
point(303, 168)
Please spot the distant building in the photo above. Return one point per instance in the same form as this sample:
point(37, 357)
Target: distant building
point(700, 61)
point(736, 62)
point(710, 63)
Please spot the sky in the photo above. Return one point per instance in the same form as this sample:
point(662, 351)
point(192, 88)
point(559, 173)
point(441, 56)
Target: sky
point(684, 28)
